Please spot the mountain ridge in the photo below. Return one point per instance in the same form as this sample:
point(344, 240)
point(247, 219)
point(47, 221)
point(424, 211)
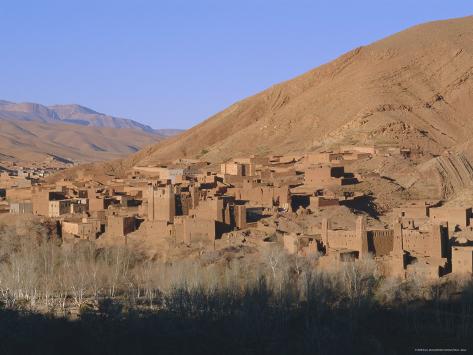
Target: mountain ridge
point(73, 114)
point(32, 132)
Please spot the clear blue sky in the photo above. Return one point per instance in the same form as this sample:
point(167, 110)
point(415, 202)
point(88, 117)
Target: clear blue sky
point(174, 63)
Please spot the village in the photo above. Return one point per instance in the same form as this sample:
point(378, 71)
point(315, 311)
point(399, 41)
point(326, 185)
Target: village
point(296, 201)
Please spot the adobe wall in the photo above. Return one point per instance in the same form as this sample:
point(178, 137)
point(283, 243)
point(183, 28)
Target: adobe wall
point(40, 202)
point(324, 175)
point(95, 226)
point(393, 265)
point(381, 242)
point(129, 225)
point(252, 160)
point(19, 194)
point(79, 208)
point(377, 242)
point(359, 149)
point(173, 174)
point(255, 195)
point(21, 208)
point(178, 229)
point(195, 196)
point(263, 195)
point(232, 169)
point(322, 158)
point(70, 228)
point(98, 204)
point(59, 208)
point(199, 231)
point(355, 156)
point(161, 204)
point(454, 216)
point(118, 226)
point(414, 241)
point(462, 260)
point(210, 209)
point(424, 270)
point(240, 216)
point(412, 212)
point(235, 180)
point(432, 243)
point(84, 230)
point(159, 229)
point(342, 239)
point(115, 226)
point(291, 243)
point(88, 230)
point(320, 202)
point(282, 195)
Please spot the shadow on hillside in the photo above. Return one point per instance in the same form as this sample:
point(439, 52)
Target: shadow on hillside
point(363, 204)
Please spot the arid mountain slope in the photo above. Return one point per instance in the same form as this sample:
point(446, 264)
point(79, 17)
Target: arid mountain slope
point(34, 141)
point(31, 132)
point(74, 115)
point(414, 88)
point(80, 115)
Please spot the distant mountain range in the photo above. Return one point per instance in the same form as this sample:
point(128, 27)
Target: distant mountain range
point(72, 114)
point(32, 132)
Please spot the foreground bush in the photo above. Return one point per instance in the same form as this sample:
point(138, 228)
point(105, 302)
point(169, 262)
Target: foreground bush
point(112, 301)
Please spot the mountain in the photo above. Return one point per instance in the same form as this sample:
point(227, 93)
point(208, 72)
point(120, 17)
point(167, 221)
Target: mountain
point(27, 112)
point(80, 115)
point(168, 132)
point(32, 141)
point(73, 114)
point(33, 132)
point(414, 89)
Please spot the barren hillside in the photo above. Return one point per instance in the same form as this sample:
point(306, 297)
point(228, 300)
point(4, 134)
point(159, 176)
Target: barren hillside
point(34, 141)
point(80, 115)
point(31, 132)
point(66, 114)
point(414, 88)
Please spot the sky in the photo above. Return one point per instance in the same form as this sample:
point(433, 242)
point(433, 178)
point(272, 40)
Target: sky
point(172, 64)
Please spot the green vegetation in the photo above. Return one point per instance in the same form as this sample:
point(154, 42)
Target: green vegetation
point(202, 153)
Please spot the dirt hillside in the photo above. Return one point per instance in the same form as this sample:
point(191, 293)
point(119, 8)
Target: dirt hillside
point(414, 87)
point(33, 132)
point(34, 141)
